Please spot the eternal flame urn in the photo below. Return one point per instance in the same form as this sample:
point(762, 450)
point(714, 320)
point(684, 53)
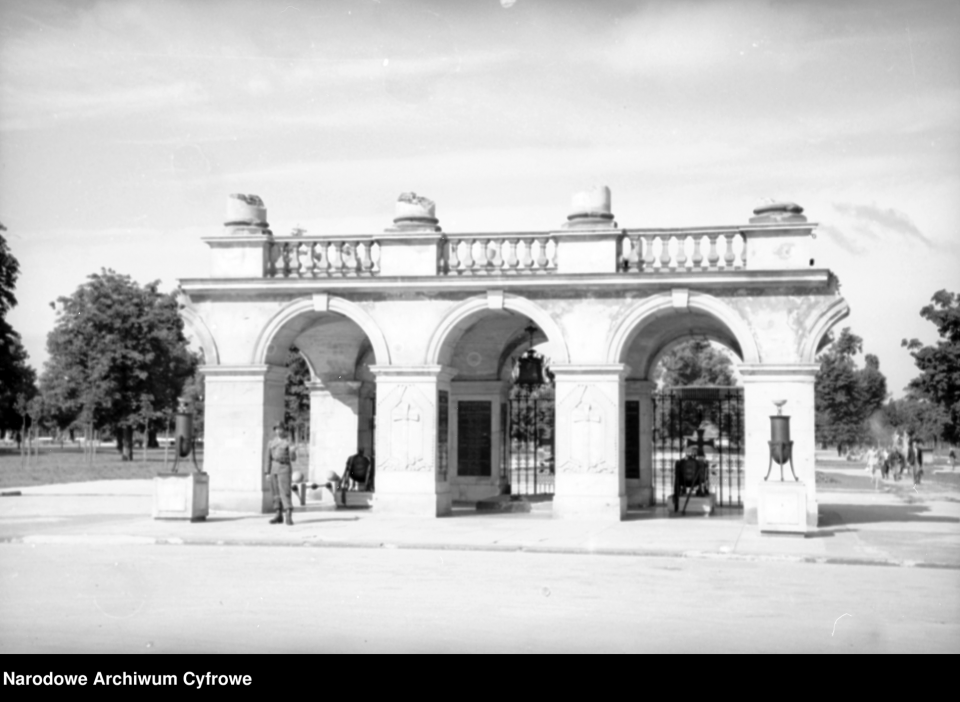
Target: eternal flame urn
point(781, 447)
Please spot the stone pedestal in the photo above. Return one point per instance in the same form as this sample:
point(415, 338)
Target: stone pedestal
point(696, 507)
point(181, 496)
point(762, 386)
point(782, 507)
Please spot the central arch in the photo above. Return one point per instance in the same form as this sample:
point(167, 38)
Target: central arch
point(663, 304)
point(456, 321)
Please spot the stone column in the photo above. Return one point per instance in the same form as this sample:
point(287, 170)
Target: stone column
point(242, 404)
point(407, 478)
point(334, 408)
point(762, 385)
point(590, 439)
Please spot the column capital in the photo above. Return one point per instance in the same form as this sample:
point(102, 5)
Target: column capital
point(778, 372)
point(414, 374)
point(268, 373)
point(587, 373)
point(334, 387)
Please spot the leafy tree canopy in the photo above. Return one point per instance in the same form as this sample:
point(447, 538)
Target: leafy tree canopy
point(16, 377)
point(694, 362)
point(939, 364)
point(117, 351)
point(846, 396)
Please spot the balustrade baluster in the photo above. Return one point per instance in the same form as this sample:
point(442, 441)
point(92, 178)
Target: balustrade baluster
point(648, 259)
point(633, 261)
point(743, 251)
point(453, 260)
point(681, 253)
point(713, 258)
point(512, 260)
point(303, 260)
point(728, 256)
point(665, 252)
point(527, 259)
point(367, 261)
point(468, 261)
point(541, 254)
point(286, 260)
point(494, 259)
point(697, 253)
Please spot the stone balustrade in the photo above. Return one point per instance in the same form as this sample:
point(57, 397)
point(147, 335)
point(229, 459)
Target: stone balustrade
point(321, 257)
point(498, 254)
point(682, 250)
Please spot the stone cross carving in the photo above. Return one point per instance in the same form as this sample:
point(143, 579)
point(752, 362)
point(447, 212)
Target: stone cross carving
point(588, 434)
point(405, 434)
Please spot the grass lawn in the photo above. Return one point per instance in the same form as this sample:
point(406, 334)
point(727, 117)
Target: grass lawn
point(69, 465)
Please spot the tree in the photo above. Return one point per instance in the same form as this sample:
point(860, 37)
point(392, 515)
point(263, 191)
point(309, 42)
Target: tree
point(117, 351)
point(918, 417)
point(939, 364)
point(16, 377)
point(845, 396)
point(296, 395)
point(694, 362)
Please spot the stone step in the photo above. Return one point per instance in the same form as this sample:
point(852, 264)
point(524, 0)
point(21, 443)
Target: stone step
point(698, 506)
point(356, 499)
point(504, 503)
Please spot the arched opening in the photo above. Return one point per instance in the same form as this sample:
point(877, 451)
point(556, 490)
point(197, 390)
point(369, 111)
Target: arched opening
point(684, 433)
point(341, 390)
point(500, 425)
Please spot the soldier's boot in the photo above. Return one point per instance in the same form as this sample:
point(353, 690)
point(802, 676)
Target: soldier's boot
point(279, 518)
point(289, 517)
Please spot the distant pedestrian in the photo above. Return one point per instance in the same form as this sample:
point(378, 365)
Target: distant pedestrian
point(912, 460)
point(281, 455)
point(953, 459)
point(872, 467)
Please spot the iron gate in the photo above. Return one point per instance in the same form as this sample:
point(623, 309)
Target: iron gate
point(710, 419)
point(529, 443)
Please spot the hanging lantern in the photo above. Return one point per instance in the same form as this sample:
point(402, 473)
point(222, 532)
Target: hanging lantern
point(530, 367)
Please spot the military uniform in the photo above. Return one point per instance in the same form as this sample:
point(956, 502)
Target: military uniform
point(282, 454)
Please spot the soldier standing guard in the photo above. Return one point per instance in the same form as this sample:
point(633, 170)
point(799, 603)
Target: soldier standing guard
point(281, 455)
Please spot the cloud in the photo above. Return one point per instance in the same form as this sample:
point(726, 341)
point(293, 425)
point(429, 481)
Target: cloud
point(877, 223)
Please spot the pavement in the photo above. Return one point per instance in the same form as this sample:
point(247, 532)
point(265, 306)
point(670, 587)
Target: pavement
point(898, 525)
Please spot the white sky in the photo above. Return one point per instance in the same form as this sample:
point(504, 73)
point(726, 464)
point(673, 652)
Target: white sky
point(124, 125)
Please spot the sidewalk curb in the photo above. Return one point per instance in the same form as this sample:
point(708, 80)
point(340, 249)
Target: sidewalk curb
point(130, 540)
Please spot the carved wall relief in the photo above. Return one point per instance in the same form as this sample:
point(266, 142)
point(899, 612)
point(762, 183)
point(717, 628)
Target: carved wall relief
point(585, 413)
point(403, 430)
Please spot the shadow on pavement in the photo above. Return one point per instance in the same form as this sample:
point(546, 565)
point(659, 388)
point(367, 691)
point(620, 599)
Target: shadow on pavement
point(872, 514)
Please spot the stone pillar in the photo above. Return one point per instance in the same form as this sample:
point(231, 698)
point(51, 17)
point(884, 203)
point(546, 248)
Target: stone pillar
point(590, 479)
point(588, 241)
point(762, 385)
point(244, 248)
point(640, 492)
point(412, 245)
point(242, 404)
point(408, 480)
point(779, 238)
point(334, 409)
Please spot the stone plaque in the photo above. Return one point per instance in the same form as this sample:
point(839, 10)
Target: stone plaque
point(474, 438)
